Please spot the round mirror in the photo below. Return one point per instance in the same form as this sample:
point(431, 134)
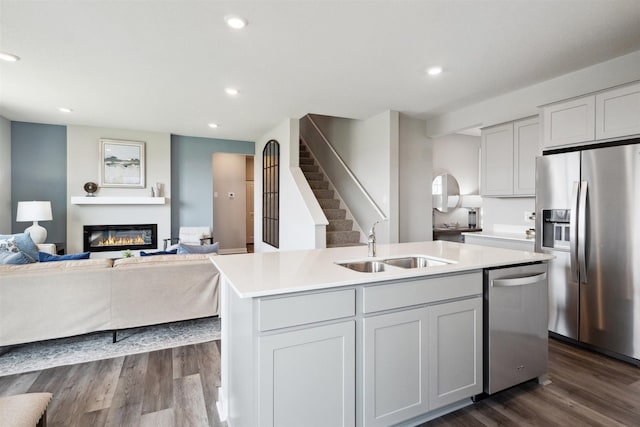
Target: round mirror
point(445, 193)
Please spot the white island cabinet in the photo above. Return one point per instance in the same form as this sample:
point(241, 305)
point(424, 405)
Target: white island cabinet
point(306, 342)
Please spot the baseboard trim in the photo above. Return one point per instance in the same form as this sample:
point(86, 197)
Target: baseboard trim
point(231, 251)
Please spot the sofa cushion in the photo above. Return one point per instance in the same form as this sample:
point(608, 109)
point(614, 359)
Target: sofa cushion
point(198, 249)
point(25, 244)
point(14, 258)
point(161, 259)
point(48, 267)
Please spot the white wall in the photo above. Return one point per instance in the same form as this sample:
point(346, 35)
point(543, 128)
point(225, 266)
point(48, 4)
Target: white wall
point(524, 102)
point(506, 215)
point(5, 176)
point(83, 166)
point(229, 213)
point(459, 156)
point(297, 227)
point(415, 176)
point(369, 148)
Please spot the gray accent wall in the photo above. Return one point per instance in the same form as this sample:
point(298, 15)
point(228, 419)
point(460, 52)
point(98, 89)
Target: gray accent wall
point(39, 172)
point(192, 177)
point(5, 176)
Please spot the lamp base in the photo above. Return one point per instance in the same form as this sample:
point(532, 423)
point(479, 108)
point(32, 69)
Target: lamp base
point(37, 232)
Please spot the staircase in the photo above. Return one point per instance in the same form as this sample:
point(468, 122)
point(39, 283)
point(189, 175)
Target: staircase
point(340, 230)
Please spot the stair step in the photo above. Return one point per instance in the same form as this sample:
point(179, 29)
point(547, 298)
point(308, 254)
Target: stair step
point(341, 245)
point(307, 161)
point(340, 225)
point(329, 203)
point(335, 213)
point(318, 185)
point(309, 168)
point(314, 176)
point(323, 194)
point(305, 155)
point(334, 237)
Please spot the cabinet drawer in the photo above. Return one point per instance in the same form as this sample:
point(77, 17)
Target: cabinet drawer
point(421, 291)
point(275, 313)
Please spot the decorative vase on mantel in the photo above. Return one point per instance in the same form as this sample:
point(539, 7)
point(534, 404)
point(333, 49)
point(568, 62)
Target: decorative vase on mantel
point(90, 188)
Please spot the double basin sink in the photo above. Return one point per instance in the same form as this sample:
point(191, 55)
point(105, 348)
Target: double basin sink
point(376, 266)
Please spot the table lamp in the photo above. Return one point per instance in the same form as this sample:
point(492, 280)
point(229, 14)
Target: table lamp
point(35, 211)
point(471, 202)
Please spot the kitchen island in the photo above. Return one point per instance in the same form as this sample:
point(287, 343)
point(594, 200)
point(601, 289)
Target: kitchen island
point(308, 342)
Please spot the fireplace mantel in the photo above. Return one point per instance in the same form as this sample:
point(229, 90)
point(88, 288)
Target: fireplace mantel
point(97, 200)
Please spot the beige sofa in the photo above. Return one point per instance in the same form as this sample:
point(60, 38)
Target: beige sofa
point(58, 299)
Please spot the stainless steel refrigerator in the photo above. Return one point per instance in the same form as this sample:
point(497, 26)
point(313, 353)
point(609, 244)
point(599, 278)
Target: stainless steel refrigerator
point(588, 216)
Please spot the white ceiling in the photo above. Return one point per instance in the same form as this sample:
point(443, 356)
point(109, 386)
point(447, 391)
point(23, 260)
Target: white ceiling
point(163, 65)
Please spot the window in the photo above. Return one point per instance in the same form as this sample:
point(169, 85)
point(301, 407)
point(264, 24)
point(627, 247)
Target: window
point(270, 193)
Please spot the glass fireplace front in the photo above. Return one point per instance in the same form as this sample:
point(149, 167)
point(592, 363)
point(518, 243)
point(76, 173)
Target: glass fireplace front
point(103, 238)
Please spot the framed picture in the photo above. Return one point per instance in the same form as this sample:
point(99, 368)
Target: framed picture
point(122, 163)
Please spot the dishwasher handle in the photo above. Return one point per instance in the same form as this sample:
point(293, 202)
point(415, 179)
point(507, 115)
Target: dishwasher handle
point(519, 281)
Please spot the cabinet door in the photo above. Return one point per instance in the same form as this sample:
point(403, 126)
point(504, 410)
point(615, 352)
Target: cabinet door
point(455, 351)
point(526, 143)
point(618, 112)
point(497, 160)
point(569, 122)
point(307, 377)
point(394, 367)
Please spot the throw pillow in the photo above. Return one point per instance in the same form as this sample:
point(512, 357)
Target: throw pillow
point(198, 249)
point(9, 245)
point(14, 258)
point(45, 257)
point(25, 244)
point(169, 252)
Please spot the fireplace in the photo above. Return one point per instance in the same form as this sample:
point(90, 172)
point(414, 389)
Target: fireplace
point(104, 238)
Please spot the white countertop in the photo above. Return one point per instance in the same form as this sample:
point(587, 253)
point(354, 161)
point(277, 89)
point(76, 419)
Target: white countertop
point(519, 237)
point(273, 273)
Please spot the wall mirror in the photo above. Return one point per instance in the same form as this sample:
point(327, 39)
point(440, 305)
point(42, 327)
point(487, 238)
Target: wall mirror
point(445, 193)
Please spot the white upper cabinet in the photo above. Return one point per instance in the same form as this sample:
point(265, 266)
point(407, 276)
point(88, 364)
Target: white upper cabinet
point(569, 122)
point(618, 112)
point(608, 114)
point(509, 158)
point(526, 143)
point(497, 160)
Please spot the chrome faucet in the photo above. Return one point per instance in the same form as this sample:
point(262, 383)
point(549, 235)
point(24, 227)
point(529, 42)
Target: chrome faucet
point(371, 241)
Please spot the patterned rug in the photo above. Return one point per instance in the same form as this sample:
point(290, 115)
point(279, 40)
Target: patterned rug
point(86, 348)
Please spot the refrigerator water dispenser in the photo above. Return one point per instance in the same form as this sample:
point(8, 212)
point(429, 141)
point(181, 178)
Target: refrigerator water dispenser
point(556, 231)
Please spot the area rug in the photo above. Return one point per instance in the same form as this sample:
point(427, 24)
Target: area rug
point(96, 346)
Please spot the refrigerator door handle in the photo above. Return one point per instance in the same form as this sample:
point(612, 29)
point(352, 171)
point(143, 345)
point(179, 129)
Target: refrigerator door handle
point(582, 231)
point(573, 226)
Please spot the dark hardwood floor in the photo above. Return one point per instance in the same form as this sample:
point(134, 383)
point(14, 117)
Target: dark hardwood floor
point(177, 387)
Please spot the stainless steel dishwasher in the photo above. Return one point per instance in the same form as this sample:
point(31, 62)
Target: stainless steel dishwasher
point(515, 326)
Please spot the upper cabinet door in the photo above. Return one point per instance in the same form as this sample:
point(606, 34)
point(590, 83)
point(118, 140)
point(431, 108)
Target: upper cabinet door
point(618, 112)
point(497, 160)
point(569, 122)
point(526, 145)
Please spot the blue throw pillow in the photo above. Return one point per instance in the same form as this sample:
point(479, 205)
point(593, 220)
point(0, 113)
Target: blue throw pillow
point(25, 244)
point(14, 258)
point(171, 252)
point(45, 257)
point(198, 249)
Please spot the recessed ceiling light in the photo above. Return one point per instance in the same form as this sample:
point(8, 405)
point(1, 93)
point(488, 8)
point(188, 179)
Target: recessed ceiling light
point(213, 125)
point(235, 21)
point(65, 110)
point(9, 57)
point(434, 71)
point(231, 91)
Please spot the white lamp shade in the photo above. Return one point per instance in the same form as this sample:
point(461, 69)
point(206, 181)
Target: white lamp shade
point(35, 211)
point(471, 201)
